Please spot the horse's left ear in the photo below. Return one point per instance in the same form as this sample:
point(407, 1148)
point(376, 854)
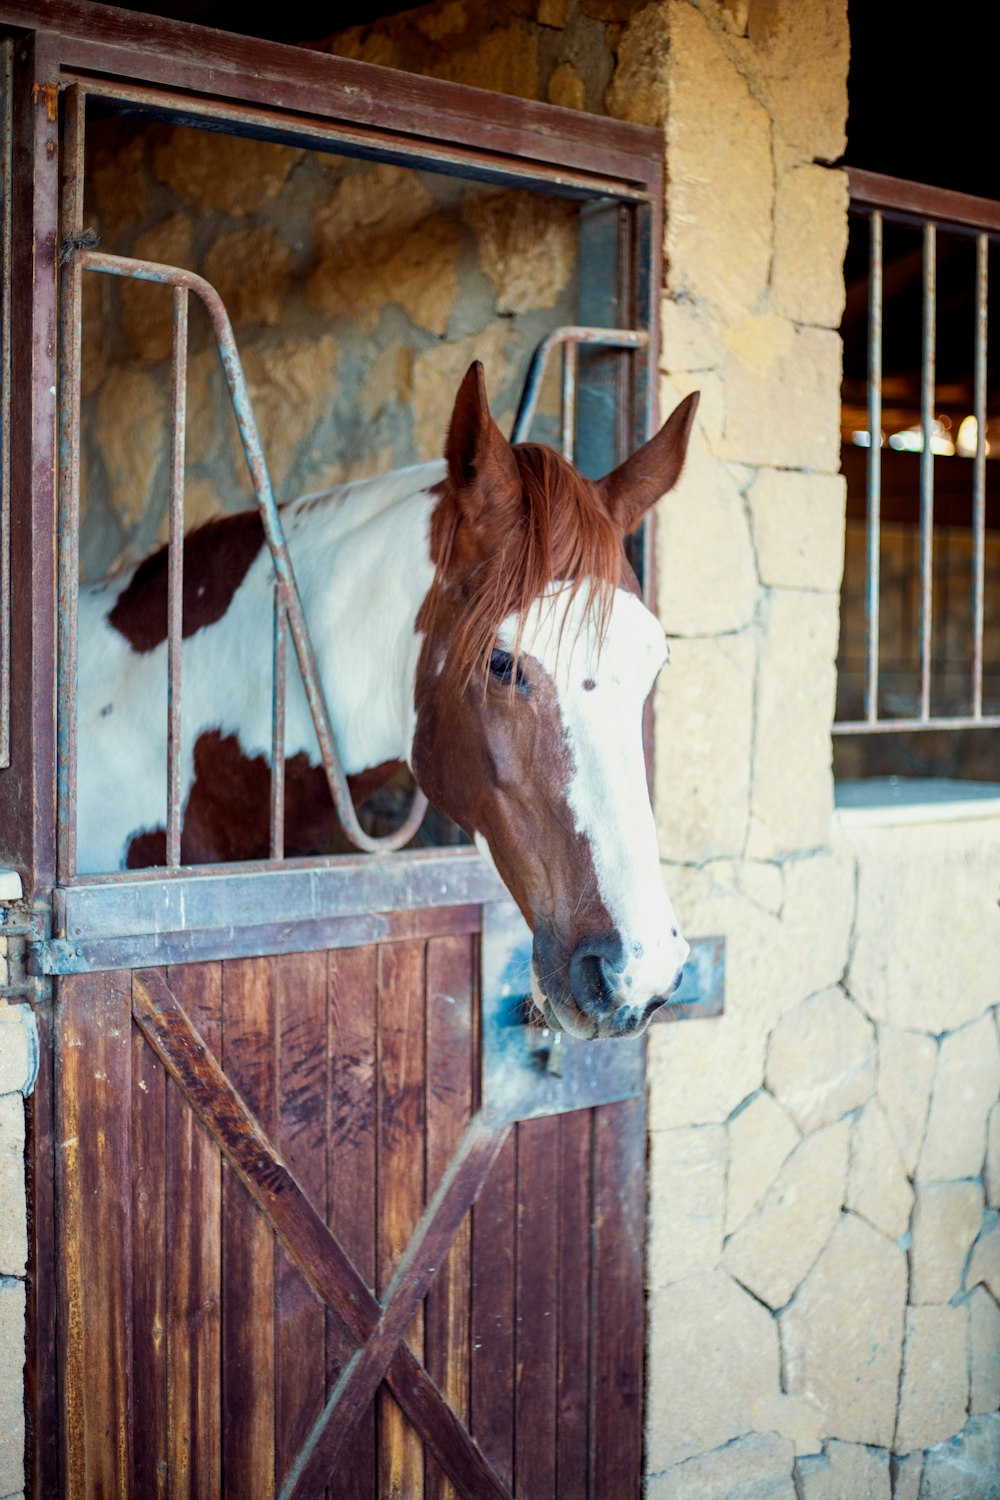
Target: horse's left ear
point(638, 483)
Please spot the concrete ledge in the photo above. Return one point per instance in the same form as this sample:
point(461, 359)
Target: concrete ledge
point(890, 801)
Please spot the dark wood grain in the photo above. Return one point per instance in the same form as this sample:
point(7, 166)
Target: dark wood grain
point(194, 1285)
point(492, 1372)
point(94, 1173)
point(151, 1150)
point(537, 1324)
point(572, 1385)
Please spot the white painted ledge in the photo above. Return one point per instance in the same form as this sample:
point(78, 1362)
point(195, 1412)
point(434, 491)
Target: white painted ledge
point(891, 801)
point(10, 886)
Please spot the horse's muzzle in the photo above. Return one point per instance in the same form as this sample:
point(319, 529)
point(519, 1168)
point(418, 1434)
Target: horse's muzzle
point(589, 994)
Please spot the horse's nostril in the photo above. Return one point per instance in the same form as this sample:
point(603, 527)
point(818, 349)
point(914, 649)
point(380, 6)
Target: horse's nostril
point(678, 980)
point(592, 978)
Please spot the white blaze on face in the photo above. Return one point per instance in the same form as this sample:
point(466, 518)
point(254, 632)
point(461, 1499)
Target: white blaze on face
point(601, 691)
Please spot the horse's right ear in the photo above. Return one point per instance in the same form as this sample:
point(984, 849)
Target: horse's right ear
point(653, 470)
point(481, 464)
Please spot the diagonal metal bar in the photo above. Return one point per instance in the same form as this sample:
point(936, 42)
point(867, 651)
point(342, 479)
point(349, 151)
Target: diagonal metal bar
point(308, 1240)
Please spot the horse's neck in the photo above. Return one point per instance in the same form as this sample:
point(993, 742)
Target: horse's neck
point(362, 561)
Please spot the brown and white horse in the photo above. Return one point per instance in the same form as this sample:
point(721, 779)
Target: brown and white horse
point(475, 619)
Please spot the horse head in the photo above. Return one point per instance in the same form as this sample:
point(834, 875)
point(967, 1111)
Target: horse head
point(538, 655)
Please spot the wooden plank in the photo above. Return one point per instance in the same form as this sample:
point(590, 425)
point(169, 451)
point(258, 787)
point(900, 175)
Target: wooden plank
point(302, 1089)
point(492, 1373)
point(536, 1327)
point(150, 1152)
point(450, 1062)
point(617, 1299)
point(400, 1180)
point(572, 1446)
point(248, 1352)
point(95, 1211)
point(194, 1286)
point(351, 1155)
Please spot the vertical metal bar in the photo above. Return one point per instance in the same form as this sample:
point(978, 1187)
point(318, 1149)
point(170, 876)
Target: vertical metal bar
point(6, 164)
point(69, 482)
point(979, 474)
point(874, 506)
point(278, 725)
point(927, 394)
point(569, 399)
point(175, 571)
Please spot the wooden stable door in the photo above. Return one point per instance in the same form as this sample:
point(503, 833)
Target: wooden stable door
point(295, 1259)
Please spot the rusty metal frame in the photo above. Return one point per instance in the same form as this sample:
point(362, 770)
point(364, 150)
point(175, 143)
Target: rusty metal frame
point(879, 199)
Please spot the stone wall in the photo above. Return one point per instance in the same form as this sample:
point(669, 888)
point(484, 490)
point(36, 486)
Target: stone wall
point(17, 1072)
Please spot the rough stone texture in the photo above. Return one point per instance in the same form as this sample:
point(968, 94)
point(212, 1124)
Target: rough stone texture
point(119, 185)
point(639, 87)
point(718, 241)
point(251, 269)
point(774, 1249)
point(792, 787)
point(147, 309)
point(716, 1358)
point(798, 528)
point(845, 1471)
point(907, 1063)
point(782, 406)
point(761, 1137)
point(791, 1417)
point(526, 246)
point(12, 1307)
point(810, 209)
point(966, 1085)
point(132, 451)
point(984, 1353)
point(16, 1063)
point(801, 55)
point(13, 1218)
point(843, 1351)
point(992, 1171)
point(966, 1467)
point(877, 1185)
point(934, 1390)
point(566, 88)
point(687, 1202)
point(237, 175)
point(437, 372)
point(380, 240)
point(704, 706)
point(821, 1060)
point(905, 1473)
point(984, 1265)
point(290, 387)
point(756, 1467)
point(946, 1220)
point(902, 873)
point(689, 337)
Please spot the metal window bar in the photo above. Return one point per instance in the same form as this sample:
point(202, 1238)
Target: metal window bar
point(568, 338)
point(880, 199)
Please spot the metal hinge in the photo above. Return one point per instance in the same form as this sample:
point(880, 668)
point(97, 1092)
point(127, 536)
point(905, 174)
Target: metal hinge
point(25, 932)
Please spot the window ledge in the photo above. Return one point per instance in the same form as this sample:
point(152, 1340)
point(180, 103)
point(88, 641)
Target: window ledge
point(889, 801)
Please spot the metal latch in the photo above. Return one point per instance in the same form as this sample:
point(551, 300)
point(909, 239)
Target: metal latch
point(24, 931)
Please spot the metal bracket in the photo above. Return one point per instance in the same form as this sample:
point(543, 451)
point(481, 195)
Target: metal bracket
point(25, 930)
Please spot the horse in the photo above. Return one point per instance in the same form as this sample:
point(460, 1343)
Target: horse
point(475, 619)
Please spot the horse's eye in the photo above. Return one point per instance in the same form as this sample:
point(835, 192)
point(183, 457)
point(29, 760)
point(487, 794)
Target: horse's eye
point(503, 670)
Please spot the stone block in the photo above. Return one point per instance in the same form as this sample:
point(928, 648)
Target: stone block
point(791, 798)
point(720, 189)
point(934, 884)
point(12, 1308)
point(842, 1334)
point(934, 1391)
point(148, 309)
point(119, 185)
point(134, 449)
point(764, 884)
point(687, 1187)
point(877, 1184)
point(966, 1085)
point(821, 1060)
point(291, 387)
point(704, 716)
point(967, 1466)
point(801, 53)
point(798, 528)
point(791, 1417)
point(701, 1070)
point(527, 246)
point(566, 87)
point(782, 396)
point(816, 919)
point(905, 1473)
point(844, 1471)
point(992, 1171)
point(689, 334)
point(773, 1250)
point(907, 1063)
point(984, 1353)
point(638, 89)
point(946, 1220)
point(251, 269)
point(17, 1050)
point(984, 1266)
point(13, 1204)
point(761, 1137)
point(713, 1355)
point(437, 374)
point(755, 1467)
point(810, 240)
point(232, 174)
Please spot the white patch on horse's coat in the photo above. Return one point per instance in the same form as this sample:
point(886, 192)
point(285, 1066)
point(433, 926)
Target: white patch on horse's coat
point(361, 555)
point(607, 789)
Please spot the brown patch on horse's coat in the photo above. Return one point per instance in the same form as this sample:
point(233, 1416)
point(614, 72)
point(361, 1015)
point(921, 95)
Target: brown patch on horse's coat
point(217, 558)
point(228, 812)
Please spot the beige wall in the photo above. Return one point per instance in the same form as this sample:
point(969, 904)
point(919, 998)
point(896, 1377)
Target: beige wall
point(17, 1070)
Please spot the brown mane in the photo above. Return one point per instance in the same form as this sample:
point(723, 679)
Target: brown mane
point(562, 531)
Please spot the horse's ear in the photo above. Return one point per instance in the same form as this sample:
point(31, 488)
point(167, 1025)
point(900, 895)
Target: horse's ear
point(481, 464)
point(638, 483)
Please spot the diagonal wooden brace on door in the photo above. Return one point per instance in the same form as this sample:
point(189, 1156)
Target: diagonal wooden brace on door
point(377, 1328)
